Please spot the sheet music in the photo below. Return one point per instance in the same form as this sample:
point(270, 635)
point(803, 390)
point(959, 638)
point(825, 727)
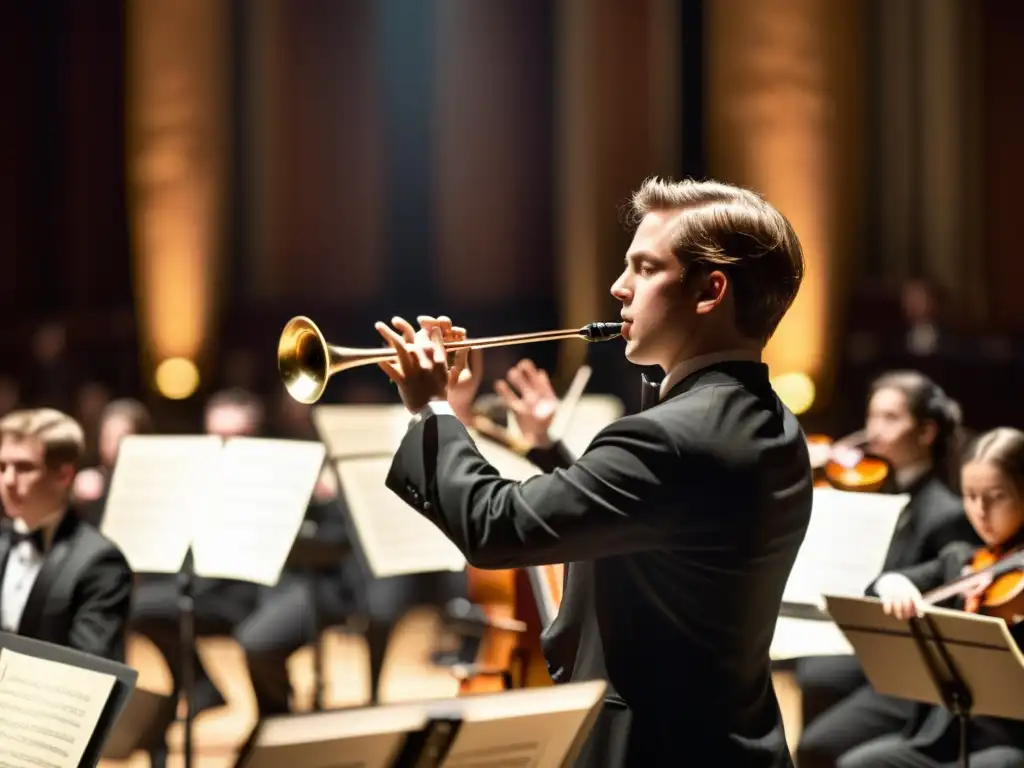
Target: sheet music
point(263, 488)
point(158, 484)
point(48, 710)
point(590, 415)
point(800, 638)
point(351, 431)
point(535, 727)
point(845, 545)
point(508, 463)
point(395, 538)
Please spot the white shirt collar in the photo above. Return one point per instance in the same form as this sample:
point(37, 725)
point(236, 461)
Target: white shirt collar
point(695, 364)
point(907, 476)
point(48, 525)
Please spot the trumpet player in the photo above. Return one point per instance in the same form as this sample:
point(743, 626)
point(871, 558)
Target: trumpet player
point(679, 524)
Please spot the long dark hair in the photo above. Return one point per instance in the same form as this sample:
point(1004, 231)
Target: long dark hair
point(927, 401)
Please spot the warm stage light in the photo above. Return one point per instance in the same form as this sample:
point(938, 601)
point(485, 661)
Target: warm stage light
point(795, 390)
point(176, 378)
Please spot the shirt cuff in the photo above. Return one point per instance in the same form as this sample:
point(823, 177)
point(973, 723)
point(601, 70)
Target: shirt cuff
point(433, 408)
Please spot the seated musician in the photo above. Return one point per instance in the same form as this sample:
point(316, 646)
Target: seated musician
point(119, 419)
point(61, 581)
point(913, 425)
point(992, 480)
point(283, 620)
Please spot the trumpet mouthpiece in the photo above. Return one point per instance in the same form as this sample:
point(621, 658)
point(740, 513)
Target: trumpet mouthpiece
point(601, 331)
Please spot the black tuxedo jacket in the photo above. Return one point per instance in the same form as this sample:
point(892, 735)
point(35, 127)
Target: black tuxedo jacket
point(933, 729)
point(680, 526)
point(82, 595)
point(933, 518)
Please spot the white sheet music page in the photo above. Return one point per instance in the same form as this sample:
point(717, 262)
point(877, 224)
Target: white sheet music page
point(395, 538)
point(535, 727)
point(590, 415)
point(48, 710)
point(351, 431)
point(799, 638)
point(262, 492)
point(159, 483)
point(845, 546)
point(508, 463)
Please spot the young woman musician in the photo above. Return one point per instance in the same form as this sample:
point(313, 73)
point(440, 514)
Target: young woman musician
point(992, 480)
point(915, 426)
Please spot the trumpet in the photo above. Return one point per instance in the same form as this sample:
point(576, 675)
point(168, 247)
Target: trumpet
point(306, 361)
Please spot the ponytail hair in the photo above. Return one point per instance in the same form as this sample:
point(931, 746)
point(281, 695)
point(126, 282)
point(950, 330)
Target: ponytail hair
point(927, 401)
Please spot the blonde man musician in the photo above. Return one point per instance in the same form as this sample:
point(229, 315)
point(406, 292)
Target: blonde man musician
point(60, 580)
point(680, 524)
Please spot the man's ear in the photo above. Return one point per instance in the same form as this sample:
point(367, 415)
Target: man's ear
point(66, 474)
point(711, 291)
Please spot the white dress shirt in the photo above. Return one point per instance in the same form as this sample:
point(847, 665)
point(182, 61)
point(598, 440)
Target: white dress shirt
point(23, 565)
point(695, 364)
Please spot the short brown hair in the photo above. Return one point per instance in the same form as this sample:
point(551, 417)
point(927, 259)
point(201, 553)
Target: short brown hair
point(735, 230)
point(62, 437)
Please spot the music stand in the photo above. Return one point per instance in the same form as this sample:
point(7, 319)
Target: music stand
point(123, 684)
point(969, 665)
point(141, 725)
point(201, 506)
point(542, 727)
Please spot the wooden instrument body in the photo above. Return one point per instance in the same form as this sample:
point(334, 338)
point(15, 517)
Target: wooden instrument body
point(845, 467)
point(1003, 598)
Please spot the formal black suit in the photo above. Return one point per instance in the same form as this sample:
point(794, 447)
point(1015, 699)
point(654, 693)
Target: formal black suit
point(679, 526)
point(81, 597)
point(930, 736)
point(933, 518)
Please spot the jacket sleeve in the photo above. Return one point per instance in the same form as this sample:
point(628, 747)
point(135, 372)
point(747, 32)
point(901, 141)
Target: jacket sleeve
point(99, 625)
point(606, 503)
point(932, 574)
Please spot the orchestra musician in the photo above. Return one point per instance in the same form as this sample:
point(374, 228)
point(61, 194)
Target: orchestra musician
point(283, 620)
point(992, 481)
point(679, 524)
point(915, 426)
point(118, 419)
point(61, 581)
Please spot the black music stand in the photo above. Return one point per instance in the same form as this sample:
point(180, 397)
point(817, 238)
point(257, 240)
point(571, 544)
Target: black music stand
point(964, 663)
point(187, 610)
point(141, 725)
point(124, 684)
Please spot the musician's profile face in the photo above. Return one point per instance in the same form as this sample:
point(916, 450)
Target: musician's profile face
point(892, 431)
point(113, 429)
point(231, 421)
point(655, 308)
point(991, 501)
point(29, 488)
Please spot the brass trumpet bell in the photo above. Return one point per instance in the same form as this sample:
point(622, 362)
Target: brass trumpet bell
point(306, 361)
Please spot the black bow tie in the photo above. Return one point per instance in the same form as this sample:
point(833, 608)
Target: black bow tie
point(650, 393)
point(35, 538)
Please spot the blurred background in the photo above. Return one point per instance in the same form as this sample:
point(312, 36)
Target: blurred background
point(182, 176)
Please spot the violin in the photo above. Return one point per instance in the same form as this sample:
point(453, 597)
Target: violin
point(1003, 598)
point(845, 465)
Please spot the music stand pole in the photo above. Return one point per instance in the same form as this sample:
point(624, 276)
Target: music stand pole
point(186, 608)
point(955, 693)
point(314, 629)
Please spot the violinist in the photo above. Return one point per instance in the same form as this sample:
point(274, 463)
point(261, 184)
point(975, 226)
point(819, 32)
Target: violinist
point(992, 480)
point(913, 425)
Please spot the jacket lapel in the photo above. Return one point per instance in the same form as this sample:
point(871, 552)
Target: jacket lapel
point(35, 606)
point(5, 550)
